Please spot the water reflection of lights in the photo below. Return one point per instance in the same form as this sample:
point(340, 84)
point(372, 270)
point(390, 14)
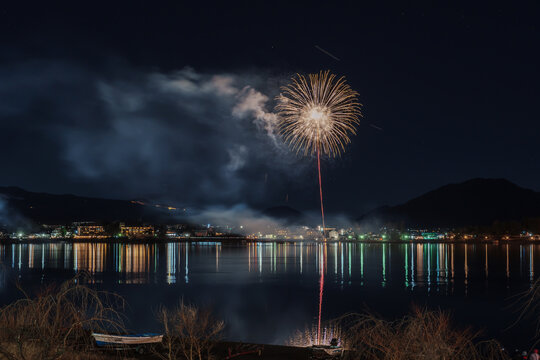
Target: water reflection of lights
point(466, 269)
point(362, 263)
point(434, 267)
point(412, 268)
point(427, 249)
point(176, 252)
point(171, 263)
point(217, 257)
point(187, 262)
point(406, 265)
point(349, 262)
point(452, 260)
point(301, 257)
point(341, 246)
point(531, 263)
point(383, 265)
point(322, 269)
point(419, 263)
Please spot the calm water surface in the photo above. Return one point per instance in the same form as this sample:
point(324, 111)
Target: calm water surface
point(265, 291)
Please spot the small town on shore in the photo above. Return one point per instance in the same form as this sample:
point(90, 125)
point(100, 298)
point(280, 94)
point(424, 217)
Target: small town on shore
point(87, 230)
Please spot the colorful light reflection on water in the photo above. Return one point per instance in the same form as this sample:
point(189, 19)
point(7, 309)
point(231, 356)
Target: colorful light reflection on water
point(352, 272)
point(422, 265)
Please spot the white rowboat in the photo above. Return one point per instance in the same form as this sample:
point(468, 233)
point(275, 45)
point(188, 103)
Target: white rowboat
point(138, 339)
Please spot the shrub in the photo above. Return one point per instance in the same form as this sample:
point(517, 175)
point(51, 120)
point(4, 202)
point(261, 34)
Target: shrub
point(56, 321)
point(422, 335)
point(189, 332)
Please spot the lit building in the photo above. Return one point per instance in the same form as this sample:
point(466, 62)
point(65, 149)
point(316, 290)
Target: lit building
point(136, 231)
point(200, 233)
point(90, 231)
point(333, 235)
point(283, 233)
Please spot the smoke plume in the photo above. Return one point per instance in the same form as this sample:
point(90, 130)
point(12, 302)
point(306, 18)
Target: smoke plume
point(192, 138)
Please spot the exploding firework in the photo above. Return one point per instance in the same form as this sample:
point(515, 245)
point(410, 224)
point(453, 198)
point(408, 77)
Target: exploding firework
point(318, 114)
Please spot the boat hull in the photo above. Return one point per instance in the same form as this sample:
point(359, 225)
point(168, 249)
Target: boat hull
point(142, 339)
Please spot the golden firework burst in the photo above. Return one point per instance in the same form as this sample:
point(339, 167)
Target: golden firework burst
point(318, 113)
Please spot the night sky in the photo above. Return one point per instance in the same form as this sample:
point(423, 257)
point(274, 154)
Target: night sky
point(171, 100)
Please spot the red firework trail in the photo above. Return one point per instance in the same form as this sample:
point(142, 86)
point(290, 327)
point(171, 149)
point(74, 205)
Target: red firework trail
point(321, 288)
point(321, 281)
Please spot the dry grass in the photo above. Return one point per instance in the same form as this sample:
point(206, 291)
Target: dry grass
point(57, 322)
point(88, 355)
point(421, 335)
point(528, 304)
point(189, 332)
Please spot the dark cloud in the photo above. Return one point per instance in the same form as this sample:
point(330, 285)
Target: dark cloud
point(185, 136)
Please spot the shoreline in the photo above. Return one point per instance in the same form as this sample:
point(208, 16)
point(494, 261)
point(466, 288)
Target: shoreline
point(244, 240)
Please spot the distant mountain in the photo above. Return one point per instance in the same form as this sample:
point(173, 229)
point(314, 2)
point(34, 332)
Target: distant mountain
point(18, 205)
point(284, 213)
point(477, 202)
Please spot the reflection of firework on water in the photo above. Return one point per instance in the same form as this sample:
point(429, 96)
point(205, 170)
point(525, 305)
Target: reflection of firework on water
point(308, 337)
point(318, 113)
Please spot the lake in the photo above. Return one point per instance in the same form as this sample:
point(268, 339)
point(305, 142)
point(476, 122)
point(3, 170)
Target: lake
point(266, 290)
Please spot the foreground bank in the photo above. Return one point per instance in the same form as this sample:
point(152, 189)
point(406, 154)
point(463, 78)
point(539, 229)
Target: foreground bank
point(58, 322)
